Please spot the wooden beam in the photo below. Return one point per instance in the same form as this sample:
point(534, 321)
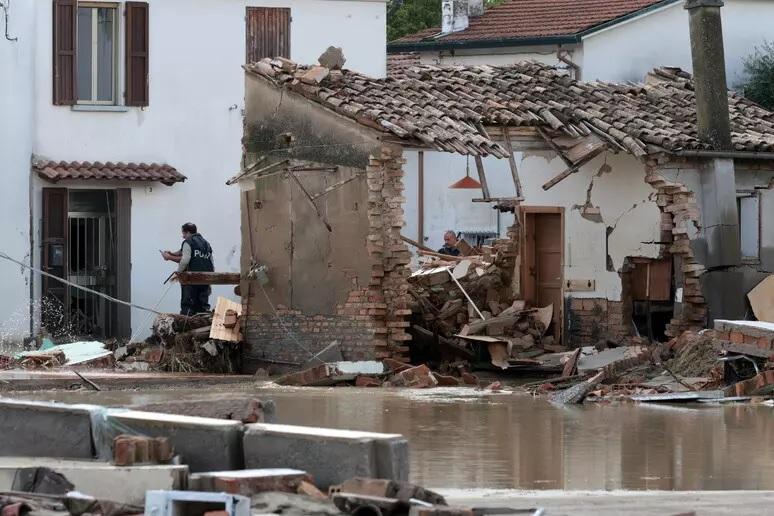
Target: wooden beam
point(421, 196)
point(446, 257)
point(482, 176)
point(551, 182)
point(512, 161)
point(416, 244)
point(208, 278)
point(499, 199)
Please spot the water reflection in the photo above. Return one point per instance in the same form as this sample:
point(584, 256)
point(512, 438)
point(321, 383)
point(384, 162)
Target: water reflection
point(462, 439)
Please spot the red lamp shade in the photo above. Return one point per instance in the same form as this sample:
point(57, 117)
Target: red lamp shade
point(466, 182)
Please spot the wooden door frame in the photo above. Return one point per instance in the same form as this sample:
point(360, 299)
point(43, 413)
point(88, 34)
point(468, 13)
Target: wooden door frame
point(533, 210)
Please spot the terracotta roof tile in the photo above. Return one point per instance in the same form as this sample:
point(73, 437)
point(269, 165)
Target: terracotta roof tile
point(84, 170)
point(447, 107)
point(521, 19)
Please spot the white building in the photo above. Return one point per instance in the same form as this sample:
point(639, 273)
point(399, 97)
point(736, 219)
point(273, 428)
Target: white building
point(608, 40)
point(133, 131)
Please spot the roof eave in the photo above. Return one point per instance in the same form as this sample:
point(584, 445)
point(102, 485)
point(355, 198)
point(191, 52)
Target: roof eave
point(419, 46)
point(626, 17)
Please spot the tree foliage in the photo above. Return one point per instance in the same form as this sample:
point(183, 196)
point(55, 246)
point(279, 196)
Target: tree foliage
point(759, 71)
point(410, 16)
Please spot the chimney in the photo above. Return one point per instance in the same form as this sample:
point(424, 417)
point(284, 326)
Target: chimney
point(709, 72)
point(717, 245)
point(475, 8)
point(454, 16)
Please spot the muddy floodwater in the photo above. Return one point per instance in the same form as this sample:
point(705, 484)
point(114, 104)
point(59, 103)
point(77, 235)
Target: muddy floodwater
point(461, 438)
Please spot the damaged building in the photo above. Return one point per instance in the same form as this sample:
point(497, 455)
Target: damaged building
point(623, 213)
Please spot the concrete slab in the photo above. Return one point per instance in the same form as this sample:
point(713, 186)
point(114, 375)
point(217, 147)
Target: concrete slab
point(125, 484)
point(606, 357)
point(45, 429)
point(330, 456)
point(247, 482)
point(205, 444)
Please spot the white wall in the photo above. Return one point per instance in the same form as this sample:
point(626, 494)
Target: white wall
point(627, 204)
point(16, 105)
point(194, 123)
point(628, 51)
point(501, 56)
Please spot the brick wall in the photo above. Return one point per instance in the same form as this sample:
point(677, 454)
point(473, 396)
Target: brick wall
point(590, 320)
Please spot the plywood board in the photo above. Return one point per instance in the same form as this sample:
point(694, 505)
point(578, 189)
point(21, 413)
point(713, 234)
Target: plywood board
point(762, 300)
point(220, 332)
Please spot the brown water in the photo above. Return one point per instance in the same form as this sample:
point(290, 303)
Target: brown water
point(461, 438)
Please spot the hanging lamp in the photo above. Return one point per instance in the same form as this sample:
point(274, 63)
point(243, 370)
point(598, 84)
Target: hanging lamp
point(466, 182)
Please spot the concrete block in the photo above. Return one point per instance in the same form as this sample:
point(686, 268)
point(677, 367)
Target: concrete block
point(329, 456)
point(182, 503)
point(247, 482)
point(205, 444)
point(45, 429)
point(101, 479)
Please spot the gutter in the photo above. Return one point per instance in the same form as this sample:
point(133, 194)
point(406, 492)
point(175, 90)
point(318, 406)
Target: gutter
point(482, 43)
point(725, 154)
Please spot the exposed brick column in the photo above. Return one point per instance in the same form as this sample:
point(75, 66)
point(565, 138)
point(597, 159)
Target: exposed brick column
point(681, 218)
point(389, 254)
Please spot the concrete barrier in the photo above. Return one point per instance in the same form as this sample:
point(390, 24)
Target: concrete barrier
point(45, 429)
point(124, 484)
point(330, 456)
point(205, 444)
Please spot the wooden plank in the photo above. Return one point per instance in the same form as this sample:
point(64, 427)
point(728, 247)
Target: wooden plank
point(421, 196)
point(417, 244)
point(208, 278)
point(220, 332)
point(564, 175)
point(512, 161)
point(482, 176)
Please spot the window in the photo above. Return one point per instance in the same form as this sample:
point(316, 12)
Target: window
point(748, 206)
point(87, 43)
point(96, 53)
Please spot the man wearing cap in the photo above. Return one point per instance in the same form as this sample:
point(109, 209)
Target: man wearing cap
point(195, 255)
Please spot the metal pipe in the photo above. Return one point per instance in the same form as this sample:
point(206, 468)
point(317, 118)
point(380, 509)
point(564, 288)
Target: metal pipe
point(725, 154)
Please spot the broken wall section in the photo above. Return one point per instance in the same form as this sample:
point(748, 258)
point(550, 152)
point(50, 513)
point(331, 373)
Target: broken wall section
point(319, 209)
point(679, 182)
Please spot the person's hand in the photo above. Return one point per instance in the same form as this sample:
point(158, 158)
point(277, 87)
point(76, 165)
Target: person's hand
point(165, 255)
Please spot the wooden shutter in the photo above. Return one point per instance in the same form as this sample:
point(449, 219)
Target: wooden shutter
point(123, 261)
point(268, 33)
point(54, 257)
point(137, 54)
point(64, 38)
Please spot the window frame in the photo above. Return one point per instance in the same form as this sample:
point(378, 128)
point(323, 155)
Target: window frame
point(95, 62)
point(747, 194)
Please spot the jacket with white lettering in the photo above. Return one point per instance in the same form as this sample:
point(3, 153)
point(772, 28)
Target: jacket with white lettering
point(201, 254)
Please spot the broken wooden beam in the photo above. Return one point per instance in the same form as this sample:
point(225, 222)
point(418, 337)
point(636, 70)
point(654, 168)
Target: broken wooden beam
point(208, 278)
point(564, 175)
point(512, 161)
point(416, 244)
point(482, 176)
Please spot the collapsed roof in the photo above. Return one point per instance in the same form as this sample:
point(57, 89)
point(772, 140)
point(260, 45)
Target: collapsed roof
point(450, 108)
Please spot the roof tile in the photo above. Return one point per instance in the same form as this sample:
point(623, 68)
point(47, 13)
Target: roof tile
point(84, 170)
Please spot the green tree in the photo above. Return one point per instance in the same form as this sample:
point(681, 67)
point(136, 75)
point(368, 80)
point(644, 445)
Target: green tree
point(759, 71)
point(410, 16)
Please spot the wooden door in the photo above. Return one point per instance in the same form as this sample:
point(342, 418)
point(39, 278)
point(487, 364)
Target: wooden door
point(542, 265)
point(54, 259)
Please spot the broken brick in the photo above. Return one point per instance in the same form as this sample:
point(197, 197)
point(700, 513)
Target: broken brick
point(367, 381)
point(419, 377)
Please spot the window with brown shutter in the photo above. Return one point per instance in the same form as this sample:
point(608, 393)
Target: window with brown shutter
point(64, 37)
point(268, 33)
point(137, 61)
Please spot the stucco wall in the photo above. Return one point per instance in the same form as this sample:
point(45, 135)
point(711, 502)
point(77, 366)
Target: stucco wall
point(16, 135)
point(627, 51)
point(501, 56)
point(626, 203)
point(194, 122)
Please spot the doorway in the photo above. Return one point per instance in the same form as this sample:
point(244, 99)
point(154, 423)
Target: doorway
point(542, 272)
point(86, 242)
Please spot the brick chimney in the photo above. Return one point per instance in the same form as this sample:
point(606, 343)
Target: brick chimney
point(709, 72)
point(717, 246)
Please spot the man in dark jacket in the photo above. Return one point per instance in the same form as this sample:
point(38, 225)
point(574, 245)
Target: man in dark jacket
point(449, 244)
point(195, 255)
